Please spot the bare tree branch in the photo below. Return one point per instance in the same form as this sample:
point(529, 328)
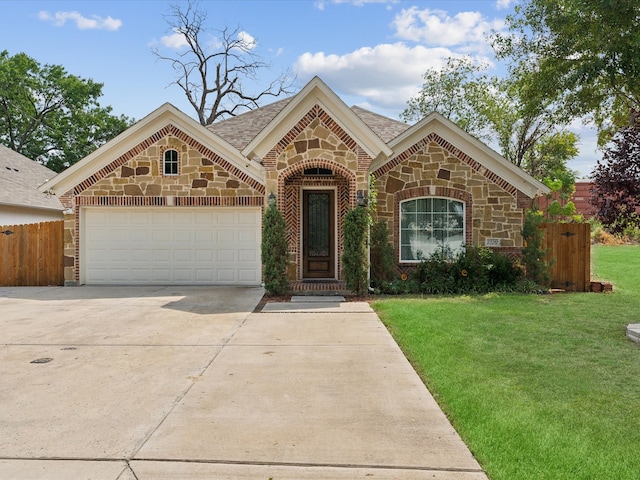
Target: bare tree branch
point(211, 69)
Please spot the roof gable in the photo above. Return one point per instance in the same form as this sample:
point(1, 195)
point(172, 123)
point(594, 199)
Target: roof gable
point(454, 139)
point(316, 93)
point(165, 117)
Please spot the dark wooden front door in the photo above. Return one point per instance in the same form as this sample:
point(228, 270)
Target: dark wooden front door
point(318, 237)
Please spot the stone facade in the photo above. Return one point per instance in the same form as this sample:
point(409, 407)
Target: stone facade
point(316, 141)
point(433, 168)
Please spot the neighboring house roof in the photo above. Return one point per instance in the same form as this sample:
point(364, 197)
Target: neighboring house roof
point(20, 178)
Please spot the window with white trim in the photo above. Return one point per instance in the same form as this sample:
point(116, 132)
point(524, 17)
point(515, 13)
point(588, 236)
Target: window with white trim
point(428, 225)
point(170, 162)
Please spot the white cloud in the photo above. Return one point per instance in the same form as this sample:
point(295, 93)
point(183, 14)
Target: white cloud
point(95, 22)
point(175, 40)
point(386, 76)
point(321, 4)
point(465, 30)
point(248, 40)
point(503, 4)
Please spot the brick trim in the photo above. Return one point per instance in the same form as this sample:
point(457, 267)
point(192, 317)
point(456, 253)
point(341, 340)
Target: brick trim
point(433, 137)
point(129, 201)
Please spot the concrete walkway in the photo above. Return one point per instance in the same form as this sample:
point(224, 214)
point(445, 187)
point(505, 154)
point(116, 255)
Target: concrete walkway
point(158, 384)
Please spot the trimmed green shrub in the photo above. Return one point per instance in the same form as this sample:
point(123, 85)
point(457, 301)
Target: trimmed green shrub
point(354, 258)
point(274, 252)
point(381, 255)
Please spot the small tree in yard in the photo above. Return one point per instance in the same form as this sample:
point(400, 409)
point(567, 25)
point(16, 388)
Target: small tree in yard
point(534, 257)
point(354, 258)
point(274, 252)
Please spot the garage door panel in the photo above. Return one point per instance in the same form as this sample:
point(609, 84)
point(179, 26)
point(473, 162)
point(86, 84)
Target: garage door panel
point(205, 256)
point(226, 255)
point(248, 275)
point(183, 256)
point(247, 237)
point(248, 256)
point(204, 235)
point(227, 218)
point(171, 245)
point(226, 275)
point(248, 218)
point(204, 276)
point(225, 236)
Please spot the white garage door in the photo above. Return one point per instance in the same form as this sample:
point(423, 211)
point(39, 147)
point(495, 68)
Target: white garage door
point(171, 246)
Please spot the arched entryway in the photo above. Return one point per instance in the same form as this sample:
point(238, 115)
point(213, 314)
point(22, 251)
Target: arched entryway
point(314, 196)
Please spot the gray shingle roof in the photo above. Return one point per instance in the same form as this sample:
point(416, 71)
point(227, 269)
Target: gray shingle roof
point(20, 178)
point(241, 129)
point(384, 127)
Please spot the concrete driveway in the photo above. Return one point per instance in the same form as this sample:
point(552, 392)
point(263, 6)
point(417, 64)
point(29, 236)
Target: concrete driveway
point(124, 383)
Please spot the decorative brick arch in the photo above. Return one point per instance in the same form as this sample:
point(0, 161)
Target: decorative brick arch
point(430, 191)
point(290, 183)
point(301, 166)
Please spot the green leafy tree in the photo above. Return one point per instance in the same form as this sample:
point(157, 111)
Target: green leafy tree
point(354, 257)
point(275, 257)
point(528, 130)
point(454, 91)
point(51, 116)
point(584, 54)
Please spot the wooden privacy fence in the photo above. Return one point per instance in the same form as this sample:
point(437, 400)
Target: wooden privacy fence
point(32, 255)
point(569, 246)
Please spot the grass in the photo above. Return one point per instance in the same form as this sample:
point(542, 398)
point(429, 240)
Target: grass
point(539, 387)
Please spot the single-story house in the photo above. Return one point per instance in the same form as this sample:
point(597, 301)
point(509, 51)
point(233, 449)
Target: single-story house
point(20, 200)
point(170, 201)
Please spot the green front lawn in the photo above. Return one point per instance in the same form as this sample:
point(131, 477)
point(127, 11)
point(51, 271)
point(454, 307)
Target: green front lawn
point(539, 387)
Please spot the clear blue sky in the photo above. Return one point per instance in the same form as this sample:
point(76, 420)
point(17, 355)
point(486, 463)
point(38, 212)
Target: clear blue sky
point(372, 53)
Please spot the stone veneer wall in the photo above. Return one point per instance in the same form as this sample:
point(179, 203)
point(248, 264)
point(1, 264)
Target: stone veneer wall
point(316, 141)
point(493, 207)
point(136, 179)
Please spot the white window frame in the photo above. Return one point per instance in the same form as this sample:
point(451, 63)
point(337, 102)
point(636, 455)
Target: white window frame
point(164, 163)
point(403, 245)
